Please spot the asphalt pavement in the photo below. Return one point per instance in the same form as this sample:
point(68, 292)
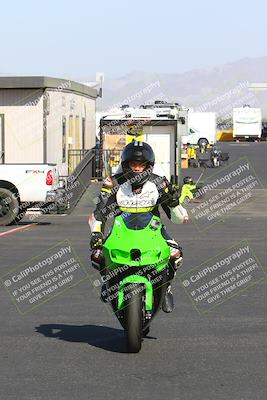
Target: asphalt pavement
point(72, 347)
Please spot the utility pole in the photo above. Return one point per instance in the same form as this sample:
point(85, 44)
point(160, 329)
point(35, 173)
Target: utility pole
point(181, 130)
point(178, 151)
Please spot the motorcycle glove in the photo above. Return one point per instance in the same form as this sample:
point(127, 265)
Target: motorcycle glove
point(96, 241)
point(173, 195)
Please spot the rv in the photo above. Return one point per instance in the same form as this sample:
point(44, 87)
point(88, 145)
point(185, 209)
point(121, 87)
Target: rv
point(247, 123)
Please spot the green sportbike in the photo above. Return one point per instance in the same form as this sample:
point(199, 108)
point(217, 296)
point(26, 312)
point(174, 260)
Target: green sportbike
point(137, 272)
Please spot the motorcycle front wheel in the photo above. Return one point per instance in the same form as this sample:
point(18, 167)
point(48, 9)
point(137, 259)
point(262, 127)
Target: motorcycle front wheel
point(133, 313)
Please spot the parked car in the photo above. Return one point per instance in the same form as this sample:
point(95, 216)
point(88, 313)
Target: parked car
point(23, 186)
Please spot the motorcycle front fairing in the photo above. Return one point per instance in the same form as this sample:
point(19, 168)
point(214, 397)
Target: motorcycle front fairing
point(137, 254)
point(136, 240)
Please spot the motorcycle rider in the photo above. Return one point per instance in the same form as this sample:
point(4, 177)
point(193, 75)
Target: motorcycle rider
point(215, 156)
point(137, 189)
point(188, 190)
point(203, 147)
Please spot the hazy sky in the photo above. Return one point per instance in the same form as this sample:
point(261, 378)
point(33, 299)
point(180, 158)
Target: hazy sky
point(77, 38)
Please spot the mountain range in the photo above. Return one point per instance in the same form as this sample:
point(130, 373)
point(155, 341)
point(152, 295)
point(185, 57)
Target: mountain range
point(218, 88)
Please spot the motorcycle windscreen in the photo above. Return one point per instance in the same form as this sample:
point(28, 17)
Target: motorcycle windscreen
point(136, 221)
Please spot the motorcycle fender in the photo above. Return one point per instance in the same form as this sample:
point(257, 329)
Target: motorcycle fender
point(136, 279)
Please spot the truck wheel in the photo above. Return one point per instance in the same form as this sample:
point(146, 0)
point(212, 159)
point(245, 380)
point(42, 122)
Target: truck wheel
point(9, 207)
point(20, 216)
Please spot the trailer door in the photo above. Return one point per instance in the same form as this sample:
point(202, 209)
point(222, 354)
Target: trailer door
point(160, 140)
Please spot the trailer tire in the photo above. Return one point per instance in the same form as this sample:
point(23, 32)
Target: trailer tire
point(9, 207)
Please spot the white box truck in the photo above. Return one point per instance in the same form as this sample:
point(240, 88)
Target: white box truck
point(247, 123)
point(201, 128)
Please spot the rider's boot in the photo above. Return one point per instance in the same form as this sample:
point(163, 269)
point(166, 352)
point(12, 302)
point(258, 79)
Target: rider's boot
point(168, 304)
point(176, 261)
point(98, 262)
point(104, 293)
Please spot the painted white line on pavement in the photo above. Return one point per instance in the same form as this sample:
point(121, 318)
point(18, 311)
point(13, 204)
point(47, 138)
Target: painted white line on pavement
point(239, 144)
point(22, 228)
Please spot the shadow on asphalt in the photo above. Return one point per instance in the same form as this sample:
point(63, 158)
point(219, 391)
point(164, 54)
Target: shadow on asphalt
point(103, 337)
point(106, 338)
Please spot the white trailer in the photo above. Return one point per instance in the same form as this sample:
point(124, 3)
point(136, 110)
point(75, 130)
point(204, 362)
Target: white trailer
point(201, 128)
point(157, 126)
point(247, 123)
